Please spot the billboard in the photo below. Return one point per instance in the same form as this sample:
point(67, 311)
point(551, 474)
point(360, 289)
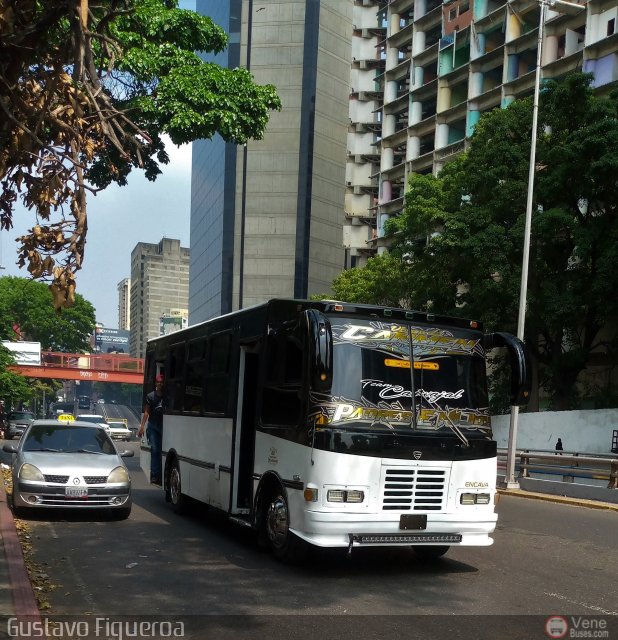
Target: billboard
point(111, 340)
point(26, 353)
point(169, 324)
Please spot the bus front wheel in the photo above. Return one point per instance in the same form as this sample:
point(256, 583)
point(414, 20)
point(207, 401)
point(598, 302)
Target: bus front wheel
point(174, 489)
point(276, 522)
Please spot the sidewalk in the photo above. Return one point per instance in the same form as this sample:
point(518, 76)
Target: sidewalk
point(548, 497)
point(16, 594)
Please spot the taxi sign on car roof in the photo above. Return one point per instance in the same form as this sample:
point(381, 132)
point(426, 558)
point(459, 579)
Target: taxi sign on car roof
point(65, 417)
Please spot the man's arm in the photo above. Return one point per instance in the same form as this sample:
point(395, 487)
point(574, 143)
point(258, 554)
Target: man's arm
point(145, 415)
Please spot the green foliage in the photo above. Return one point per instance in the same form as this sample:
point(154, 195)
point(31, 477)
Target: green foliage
point(461, 233)
point(382, 281)
point(165, 86)
point(27, 304)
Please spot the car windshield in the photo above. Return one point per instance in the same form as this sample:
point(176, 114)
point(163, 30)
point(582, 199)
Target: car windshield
point(21, 415)
point(67, 438)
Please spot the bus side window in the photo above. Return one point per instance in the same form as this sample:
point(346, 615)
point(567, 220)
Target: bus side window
point(281, 401)
point(195, 376)
point(217, 375)
point(175, 381)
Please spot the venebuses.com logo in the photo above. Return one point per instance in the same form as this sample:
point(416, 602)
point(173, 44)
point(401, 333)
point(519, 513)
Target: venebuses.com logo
point(557, 627)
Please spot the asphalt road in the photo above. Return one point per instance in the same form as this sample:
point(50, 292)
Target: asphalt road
point(547, 559)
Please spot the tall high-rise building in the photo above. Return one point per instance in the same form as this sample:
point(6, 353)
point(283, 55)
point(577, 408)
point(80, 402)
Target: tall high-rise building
point(159, 284)
point(124, 304)
point(267, 218)
point(423, 73)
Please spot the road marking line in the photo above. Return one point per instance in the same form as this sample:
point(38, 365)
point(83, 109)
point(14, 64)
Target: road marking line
point(592, 607)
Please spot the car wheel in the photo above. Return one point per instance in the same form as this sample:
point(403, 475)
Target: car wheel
point(430, 553)
point(283, 543)
point(174, 489)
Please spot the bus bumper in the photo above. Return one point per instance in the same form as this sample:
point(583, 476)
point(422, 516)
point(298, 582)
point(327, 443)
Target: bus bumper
point(344, 530)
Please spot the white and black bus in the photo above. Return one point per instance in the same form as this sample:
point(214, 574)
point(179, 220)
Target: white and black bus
point(334, 424)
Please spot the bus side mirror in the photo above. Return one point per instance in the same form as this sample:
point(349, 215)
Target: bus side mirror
point(519, 357)
point(320, 339)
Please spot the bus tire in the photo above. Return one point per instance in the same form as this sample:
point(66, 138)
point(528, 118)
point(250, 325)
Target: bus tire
point(429, 553)
point(174, 488)
point(284, 545)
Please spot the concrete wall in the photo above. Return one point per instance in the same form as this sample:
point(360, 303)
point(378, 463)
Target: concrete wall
point(581, 431)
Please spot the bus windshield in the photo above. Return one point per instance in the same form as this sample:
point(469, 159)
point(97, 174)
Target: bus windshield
point(402, 377)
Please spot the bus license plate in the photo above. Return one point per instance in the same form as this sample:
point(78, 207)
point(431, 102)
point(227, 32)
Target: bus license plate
point(414, 521)
point(76, 492)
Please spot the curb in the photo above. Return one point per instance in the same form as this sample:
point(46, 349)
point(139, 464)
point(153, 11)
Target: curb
point(24, 601)
point(548, 497)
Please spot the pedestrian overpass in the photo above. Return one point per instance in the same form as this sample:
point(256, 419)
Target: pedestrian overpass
point(88, 367)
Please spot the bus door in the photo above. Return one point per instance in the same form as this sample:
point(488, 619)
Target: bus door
point(244, 438)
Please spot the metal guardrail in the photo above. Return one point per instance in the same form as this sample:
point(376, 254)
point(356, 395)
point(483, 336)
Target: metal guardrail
point(569, 465)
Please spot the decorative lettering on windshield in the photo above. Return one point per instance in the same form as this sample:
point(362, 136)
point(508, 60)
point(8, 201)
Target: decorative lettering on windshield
point(396, 339)
point(394, 391)
point(393, 414)
point(339, 409)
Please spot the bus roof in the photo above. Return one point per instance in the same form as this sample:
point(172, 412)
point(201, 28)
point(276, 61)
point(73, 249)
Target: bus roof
point(346, 308)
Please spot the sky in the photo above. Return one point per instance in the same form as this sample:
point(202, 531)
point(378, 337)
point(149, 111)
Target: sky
point(119, 218)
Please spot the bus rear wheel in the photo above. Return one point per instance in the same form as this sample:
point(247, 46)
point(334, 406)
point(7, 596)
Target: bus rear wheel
point(430, 552)
point(174, 489)
point(283, 543)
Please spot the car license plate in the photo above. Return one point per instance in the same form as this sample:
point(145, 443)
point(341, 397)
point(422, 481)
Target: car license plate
point(415, 521)
point(76, 492)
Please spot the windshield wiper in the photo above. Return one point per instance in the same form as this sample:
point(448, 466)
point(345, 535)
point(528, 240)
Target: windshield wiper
point(446, 420)
point(99, 453)
point(45, 449)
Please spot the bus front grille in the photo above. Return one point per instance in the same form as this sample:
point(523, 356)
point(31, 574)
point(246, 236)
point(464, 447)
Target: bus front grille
point(417, 489)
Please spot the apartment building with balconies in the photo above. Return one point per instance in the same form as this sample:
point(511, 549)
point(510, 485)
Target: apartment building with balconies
point(424, 71)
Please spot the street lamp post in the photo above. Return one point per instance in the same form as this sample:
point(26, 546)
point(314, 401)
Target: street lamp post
point(561, 6)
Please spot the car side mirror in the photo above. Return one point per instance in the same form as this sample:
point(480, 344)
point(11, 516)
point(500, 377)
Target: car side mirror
point(127, 453)
point(9, 448)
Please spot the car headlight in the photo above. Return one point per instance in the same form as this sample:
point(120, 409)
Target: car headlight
point(119, 474)
point(30, 472)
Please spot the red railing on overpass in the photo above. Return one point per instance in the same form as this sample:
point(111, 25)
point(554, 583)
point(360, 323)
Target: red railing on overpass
point(80, 366)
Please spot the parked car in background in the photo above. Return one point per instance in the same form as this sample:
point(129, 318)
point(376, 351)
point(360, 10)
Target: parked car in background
point(94, 418)
point(58, 465)
point(118, 429)
point(17, 422)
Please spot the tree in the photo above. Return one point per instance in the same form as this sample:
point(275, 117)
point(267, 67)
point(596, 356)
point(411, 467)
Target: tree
point(383, 281)
point(472, 265)
point(25, 313)
point(87, 89)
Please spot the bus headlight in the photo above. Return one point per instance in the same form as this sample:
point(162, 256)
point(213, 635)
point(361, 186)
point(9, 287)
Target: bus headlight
point(474, 498)
point(345, 495)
